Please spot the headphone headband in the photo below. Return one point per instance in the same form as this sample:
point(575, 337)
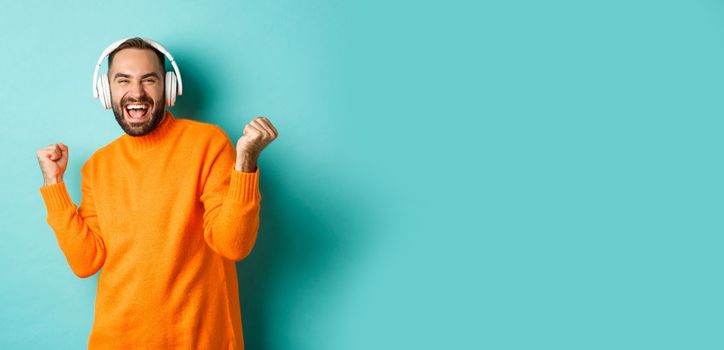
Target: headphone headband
point(156, 45)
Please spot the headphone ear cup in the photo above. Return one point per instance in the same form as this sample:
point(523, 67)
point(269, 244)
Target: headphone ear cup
point(105, 91)
point(170, 88)
point(99, 91)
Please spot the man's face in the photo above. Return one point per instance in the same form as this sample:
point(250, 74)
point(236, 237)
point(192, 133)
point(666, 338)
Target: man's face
point(136, 80)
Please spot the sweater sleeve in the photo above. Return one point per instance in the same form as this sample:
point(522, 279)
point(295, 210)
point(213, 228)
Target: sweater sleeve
point(76, 228)
point(231, 201)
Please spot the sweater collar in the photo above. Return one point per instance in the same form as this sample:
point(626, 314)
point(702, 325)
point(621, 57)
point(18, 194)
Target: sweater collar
point(156, 136)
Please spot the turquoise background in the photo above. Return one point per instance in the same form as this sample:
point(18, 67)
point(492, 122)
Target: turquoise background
point(448, 175)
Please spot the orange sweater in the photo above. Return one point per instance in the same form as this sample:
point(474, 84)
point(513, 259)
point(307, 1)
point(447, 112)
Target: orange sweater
point(165, 216)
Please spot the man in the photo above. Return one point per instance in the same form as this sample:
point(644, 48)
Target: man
point(167, 209)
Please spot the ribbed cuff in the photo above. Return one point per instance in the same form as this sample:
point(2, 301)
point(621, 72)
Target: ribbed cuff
point(56, 196)
point(244, 186)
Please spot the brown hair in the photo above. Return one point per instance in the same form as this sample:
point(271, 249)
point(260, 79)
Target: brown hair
point(138, 43)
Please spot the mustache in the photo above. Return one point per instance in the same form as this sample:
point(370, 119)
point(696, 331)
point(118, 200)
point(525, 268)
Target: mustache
point(137, 100)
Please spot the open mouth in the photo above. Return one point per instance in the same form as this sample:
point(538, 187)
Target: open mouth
point(136, 111)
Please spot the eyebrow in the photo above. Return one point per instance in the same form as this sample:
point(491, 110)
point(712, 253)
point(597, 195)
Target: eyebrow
point(122, 75)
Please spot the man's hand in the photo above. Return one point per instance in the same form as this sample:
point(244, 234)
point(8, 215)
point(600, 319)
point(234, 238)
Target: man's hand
point(257, 134)
point(53, 160)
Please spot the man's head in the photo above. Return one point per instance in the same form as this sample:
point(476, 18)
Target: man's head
point(136, 73)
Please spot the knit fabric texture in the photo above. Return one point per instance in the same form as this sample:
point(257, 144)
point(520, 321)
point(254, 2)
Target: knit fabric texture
point(164, 217)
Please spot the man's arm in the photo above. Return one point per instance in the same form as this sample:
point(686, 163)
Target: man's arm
point(76, 228)
point(231, 201)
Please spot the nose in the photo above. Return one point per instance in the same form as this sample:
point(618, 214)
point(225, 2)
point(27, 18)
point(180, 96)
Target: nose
point(136, 90)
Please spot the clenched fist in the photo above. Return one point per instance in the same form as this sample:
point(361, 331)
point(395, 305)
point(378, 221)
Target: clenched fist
point(53, 160)
point(257, 134)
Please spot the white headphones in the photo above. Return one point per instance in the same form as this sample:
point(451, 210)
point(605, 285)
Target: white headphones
point(102, 89)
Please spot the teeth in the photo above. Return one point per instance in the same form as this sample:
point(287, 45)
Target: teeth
point(136, 107)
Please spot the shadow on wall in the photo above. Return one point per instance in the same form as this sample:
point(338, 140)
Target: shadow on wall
point(197, 86)
point(308, 236)
point(308, 231)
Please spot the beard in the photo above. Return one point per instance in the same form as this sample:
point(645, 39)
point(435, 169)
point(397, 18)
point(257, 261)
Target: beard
point(142, 128)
